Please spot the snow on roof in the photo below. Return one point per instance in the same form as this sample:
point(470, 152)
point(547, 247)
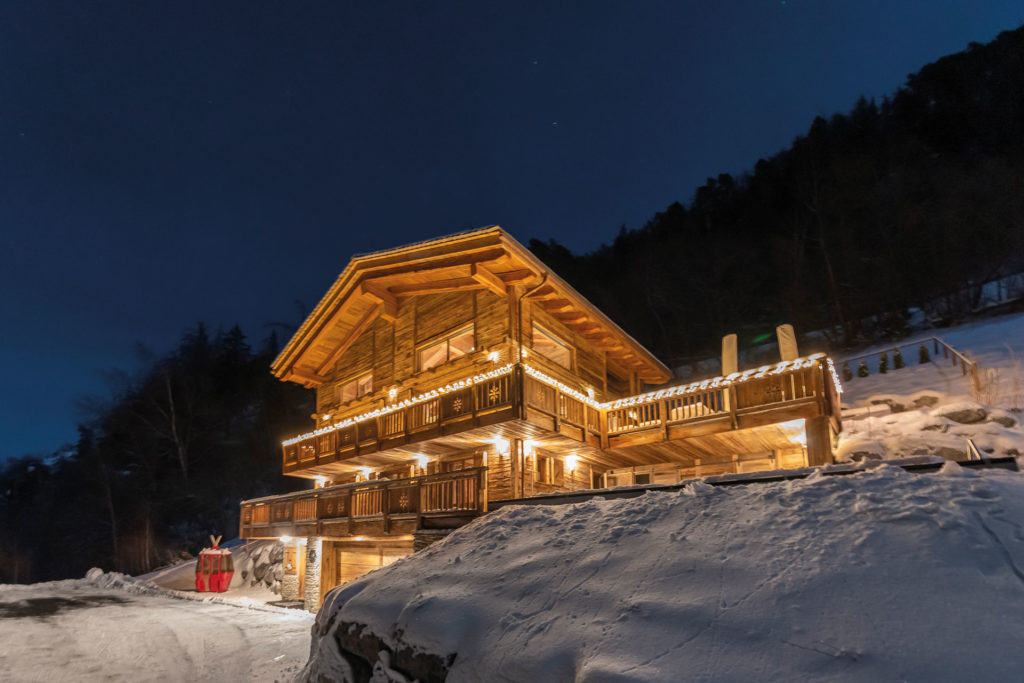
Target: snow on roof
point(873, 576)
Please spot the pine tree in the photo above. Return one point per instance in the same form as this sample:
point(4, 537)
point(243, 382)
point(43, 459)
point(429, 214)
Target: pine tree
point(883, 363)
point(862, 369)
point(897, 360)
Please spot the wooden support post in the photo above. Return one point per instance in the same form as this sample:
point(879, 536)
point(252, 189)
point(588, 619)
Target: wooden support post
point(385, 504)
point(819, 441)
point(515, 464)
point(348, 509)
point(481, 503)
point(731, 404)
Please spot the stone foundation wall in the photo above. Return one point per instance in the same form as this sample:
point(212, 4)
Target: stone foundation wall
point(425, 537)
point(314, 548)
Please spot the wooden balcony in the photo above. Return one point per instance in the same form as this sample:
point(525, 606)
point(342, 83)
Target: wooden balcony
point(684, 421)
point(378, 508)
point(477, 405)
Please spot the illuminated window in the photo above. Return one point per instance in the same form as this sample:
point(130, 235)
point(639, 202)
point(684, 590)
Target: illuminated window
point(456, 344)
point(552, 347)
point(360, 386)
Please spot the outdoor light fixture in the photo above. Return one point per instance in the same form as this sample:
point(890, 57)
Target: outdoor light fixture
point(421, 461)
point(528, 446)
point(320, 482)
point(364, 472)
point(301, 541)
point(493, 356)
point(325, 417)
point(392, 394)
point(571, 462)
point(502, 446)
point(286, 539)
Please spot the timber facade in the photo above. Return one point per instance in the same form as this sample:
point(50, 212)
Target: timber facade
point(462, 370)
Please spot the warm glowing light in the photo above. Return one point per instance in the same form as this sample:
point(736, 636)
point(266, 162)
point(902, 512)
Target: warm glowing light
point(405, 403)
point(572, 462)
point(320, 482)
point(325, 417)
point(493, 356)
point(528, 446)
point(502, 446)
point(359, 538)
point(364, 472)
point(286, 539)
point(392, 394)
point(301, 541)
point(715, 383)
point(421, 461)
point(835, 376)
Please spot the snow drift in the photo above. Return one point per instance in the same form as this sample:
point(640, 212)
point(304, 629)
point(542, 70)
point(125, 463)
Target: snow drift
point(883, 575)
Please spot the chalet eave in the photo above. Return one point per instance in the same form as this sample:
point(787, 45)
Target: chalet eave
point(372, 287)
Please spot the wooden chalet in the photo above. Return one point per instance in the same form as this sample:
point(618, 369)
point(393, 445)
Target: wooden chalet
point(461, 370)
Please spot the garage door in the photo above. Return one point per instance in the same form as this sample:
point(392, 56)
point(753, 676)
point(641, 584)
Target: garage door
point(354, 561)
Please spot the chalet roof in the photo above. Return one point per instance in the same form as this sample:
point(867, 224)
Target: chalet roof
point(489, 258)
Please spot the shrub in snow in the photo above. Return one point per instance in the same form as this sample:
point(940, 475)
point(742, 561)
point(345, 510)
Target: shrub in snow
point(883, 363)
point(847, 372)
point(862, 369)
point(897, 360)
point(923, 356)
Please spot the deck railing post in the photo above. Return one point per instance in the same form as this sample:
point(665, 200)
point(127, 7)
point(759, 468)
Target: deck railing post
point(732, 405)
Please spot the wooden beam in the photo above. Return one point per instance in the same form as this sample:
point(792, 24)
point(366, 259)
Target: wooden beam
point(557, 305)
point(381, 295)
point(572, 318)
point(350, 339)
point(547, 292)
point(304, 376)
point(460, 284)
point(488, 279)
point(517, 277)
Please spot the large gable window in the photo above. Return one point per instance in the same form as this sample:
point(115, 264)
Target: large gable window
point(458, 343)
point(552, 347)
point(360, 386)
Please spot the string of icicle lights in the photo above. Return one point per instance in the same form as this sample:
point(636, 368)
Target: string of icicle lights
point(649, 397)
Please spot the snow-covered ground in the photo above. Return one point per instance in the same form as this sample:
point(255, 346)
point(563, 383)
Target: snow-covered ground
point(878, 576)
point(109, 627)
point(932, 408)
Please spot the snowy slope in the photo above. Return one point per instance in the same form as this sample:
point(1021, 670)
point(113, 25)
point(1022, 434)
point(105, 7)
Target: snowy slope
point(932, 409)
point(109, 627)
point(883, 575)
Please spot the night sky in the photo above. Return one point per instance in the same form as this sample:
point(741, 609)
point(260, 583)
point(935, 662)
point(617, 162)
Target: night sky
point(164, 163)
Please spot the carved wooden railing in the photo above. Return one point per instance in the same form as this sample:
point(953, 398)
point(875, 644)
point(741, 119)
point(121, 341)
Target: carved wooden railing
point(518, 392)
point(458, 494)
point(405, 425)
point(809, 383)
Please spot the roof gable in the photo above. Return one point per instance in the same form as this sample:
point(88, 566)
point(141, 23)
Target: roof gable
point(371, 286)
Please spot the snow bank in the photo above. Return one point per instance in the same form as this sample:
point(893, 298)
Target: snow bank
point(258, 571)
point(884, 575)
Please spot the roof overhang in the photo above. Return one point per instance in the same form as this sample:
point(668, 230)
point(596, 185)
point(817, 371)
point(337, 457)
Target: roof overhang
point(372, 285)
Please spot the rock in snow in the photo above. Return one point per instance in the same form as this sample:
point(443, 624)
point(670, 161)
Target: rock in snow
point(883, 575)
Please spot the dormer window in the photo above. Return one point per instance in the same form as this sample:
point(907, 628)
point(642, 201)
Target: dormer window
point(458, 343)
point(551, 347)
point(353, 389)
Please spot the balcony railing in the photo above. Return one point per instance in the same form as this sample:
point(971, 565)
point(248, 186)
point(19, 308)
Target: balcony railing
point(375, 508)
point(808, 385)
point(490, 400)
